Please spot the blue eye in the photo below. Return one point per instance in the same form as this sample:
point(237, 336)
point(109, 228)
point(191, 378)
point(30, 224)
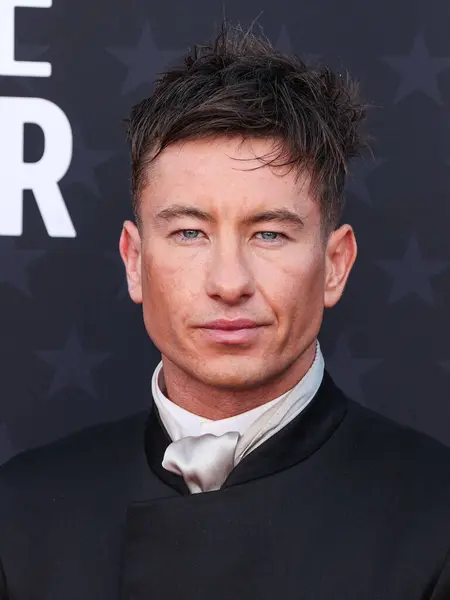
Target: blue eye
point(270, 236)
point(189, 234)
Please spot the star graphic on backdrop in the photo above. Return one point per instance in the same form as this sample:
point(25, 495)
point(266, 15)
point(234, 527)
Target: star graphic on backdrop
point(445, 364)
point(143, 61)
point(418, 71)
point(73, 365)
point(6, 448)
point(347, 370)
point(14, 264)
point(412, 273)
point(284, 44)
point(359, 172)
point(122, 286)
point(84, 162)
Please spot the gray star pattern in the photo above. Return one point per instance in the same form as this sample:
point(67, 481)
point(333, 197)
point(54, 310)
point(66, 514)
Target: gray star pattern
point(84, 162)
point(412, 273)
point(348, 371)
point(418, 71)
point(445, 364)
point(284, 44)
point(73, 365)
point(14, 264)
point(357, 181)
point(143, 61)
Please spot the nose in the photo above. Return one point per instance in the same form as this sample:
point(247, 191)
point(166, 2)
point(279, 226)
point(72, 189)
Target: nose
point(229, 277)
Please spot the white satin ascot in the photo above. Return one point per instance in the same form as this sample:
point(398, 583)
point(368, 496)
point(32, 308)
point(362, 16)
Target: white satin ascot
point(204, 452)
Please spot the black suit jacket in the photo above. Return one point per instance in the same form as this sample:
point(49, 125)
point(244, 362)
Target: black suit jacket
point(339, 505)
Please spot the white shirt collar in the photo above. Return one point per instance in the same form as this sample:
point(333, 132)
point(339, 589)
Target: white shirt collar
point(181, 423)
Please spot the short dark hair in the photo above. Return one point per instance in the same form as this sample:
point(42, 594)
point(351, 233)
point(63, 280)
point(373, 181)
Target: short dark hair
point(241, 85)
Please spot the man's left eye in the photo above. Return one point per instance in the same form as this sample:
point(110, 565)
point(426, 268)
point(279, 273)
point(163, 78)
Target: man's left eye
point(190, 234)
point(270, 236)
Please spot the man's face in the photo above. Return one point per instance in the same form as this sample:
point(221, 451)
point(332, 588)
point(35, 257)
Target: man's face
point(225, 239)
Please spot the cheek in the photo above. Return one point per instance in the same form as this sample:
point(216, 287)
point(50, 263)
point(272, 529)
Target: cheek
point(295, 283)
point(167, 285)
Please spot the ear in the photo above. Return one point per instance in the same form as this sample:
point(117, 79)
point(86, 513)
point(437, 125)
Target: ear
point(130, 251)
point(340, 256)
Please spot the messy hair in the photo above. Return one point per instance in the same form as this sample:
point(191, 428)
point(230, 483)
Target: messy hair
point(241, 85)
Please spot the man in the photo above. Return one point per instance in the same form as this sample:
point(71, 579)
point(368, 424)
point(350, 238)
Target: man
point(253, 476)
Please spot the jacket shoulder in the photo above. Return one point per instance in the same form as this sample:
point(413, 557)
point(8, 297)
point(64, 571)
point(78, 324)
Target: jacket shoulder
point(87, 451)
point(382, 444)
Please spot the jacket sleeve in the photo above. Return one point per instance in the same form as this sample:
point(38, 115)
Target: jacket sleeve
point(441, 590)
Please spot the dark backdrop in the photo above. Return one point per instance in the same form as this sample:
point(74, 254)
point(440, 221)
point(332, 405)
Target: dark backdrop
point(73, 348)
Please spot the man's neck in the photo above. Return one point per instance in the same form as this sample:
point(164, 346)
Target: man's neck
point(216, 403)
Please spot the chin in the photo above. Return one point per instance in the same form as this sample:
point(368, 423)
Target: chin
point(233, 373)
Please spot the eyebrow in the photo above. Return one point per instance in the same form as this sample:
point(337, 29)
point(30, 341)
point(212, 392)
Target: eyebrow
point(279, 215)
point(175, 211)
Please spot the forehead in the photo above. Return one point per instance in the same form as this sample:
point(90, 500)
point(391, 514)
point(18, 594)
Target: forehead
point(224, 172)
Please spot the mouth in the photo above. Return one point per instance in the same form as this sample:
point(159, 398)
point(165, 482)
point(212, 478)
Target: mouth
point(238, 331)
